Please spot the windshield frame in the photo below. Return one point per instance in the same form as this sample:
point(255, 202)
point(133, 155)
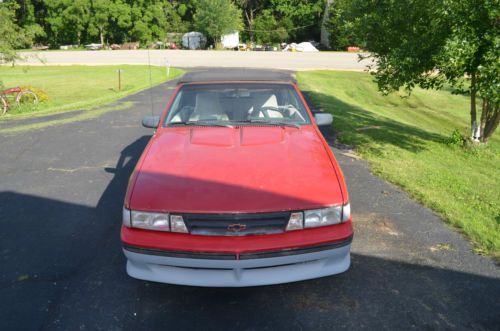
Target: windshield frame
point(293, 90)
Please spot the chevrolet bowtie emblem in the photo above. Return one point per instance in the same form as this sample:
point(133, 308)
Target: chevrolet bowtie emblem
point(236, 227)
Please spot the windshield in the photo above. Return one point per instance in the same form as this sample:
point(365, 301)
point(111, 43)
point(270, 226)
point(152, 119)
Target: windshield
point(237, 104)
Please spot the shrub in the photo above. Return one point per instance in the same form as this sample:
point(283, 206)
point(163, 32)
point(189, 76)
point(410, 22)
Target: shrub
point(41, 94)
point(456, 139)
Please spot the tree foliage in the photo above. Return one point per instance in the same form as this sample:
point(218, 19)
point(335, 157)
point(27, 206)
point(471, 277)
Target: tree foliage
point(436, 43)
point(340, 24)
point(115, 21)
point(303, 17)
point(77, 22)
point(217, 17)
point(252, 9)
point(104, 21)
point(13, 36)
point(268, 30)
point(272, 21)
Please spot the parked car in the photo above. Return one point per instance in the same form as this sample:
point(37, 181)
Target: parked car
point(265, 48)
point(94, 47)
point(237, 187)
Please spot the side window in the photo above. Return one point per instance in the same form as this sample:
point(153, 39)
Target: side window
point(173, 113)
point(182, 107)
point(292, 99)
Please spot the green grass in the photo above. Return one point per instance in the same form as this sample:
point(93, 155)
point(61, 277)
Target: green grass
point(78, 87)
point(403, 139)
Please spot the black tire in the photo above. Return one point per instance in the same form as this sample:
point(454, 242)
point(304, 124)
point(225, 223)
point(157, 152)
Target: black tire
point(26, 96)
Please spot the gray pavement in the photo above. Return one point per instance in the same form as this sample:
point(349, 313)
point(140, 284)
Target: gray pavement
point(191, 59)
point(61, 265)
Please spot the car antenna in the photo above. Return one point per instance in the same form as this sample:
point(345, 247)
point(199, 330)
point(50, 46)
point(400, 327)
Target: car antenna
point(150, 84)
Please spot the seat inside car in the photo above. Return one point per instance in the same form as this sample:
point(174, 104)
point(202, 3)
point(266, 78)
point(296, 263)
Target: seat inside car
point(265, 105)
point(208, 107)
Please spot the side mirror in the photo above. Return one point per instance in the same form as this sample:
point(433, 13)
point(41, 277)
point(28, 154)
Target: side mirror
point(150, 121)
point(323, 119)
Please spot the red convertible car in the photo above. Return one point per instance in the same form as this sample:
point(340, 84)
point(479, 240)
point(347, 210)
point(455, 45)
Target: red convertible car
point(237, 187)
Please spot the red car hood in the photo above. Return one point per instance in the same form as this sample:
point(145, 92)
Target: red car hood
point(247, 169)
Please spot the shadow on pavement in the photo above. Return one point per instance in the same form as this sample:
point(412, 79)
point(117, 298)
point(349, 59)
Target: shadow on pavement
point(62, 267)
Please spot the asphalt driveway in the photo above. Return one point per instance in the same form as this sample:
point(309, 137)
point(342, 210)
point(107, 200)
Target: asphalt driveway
point(61, 264)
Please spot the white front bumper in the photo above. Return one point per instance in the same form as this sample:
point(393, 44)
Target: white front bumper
point(238, 273)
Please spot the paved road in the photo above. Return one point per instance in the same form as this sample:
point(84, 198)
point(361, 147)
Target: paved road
point(62, 268)
point(190, 59)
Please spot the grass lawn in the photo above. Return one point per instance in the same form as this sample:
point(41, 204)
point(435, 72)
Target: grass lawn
point(403, 139)
point(79, 87)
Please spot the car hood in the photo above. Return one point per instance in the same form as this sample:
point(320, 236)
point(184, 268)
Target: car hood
point(242, 169)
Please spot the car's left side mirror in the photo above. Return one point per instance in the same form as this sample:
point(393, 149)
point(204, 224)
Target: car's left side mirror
point(150, 121)
point(323, 119)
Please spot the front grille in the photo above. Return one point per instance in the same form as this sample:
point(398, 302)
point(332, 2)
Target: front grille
point(236, 224)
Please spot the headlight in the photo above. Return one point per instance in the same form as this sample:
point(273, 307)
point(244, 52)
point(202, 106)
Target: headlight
point(319, 217)
point(322, 217)
point(154, 221)
point(150, 221)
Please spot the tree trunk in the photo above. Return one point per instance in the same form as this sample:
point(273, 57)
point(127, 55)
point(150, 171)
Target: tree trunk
point(101, 35)
point(473, 114)
point(249, 18)
point(490, 118)
point(325, 34)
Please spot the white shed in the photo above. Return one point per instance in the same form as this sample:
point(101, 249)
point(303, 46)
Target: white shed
point(231, 40)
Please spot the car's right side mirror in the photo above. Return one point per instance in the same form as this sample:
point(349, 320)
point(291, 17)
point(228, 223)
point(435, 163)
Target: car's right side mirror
point(151, 121)
point(323, 119)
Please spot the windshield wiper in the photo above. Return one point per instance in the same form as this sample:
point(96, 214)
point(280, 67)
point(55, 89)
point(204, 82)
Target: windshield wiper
point(273, 122)
point(201, 123)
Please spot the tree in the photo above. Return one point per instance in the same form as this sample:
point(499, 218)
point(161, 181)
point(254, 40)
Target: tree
point(57, 22)
point(436, 43)
point(268, 30)
point(67, 20)
point(120, 21)
point(154, 18)
point(217, 17)
point(147, 18)
point(251, 8)
point(472, 49)
point(174, 11)
point(12, 36)
point(26, 18)
point(76, 18)
point(101, 11)
point(305, 16)
point(339, 24)
point(54, 20)
point(325, 35)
